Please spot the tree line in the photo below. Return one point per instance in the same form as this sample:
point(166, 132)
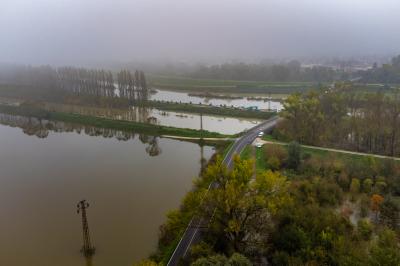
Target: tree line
point(387, 73)
point(128, 82)
point(292, 71)
point(98, 82)
point(340, 118)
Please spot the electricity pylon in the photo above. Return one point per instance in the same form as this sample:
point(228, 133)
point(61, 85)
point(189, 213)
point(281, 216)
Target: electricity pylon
point(202, 159)
point(87, 249)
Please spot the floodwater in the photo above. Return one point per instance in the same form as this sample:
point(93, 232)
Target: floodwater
point(131, 181)
point(242, 100)
point(220, 124)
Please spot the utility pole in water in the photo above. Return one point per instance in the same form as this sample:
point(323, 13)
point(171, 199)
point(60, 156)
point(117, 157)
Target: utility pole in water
point(201, 125)
point(202, 160)
point(87, 249)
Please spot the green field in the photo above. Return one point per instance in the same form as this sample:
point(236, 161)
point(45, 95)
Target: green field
point(373, 88)
point(231, 86)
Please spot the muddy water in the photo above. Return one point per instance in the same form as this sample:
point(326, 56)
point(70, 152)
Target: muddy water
point(241, 100)
point(130, 181)
point(224, 125)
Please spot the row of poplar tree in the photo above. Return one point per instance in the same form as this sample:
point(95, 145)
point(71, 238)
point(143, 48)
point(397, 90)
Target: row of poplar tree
point(77, 80)
point(101, 82)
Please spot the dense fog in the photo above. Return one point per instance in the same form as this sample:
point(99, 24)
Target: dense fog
point(98, 31)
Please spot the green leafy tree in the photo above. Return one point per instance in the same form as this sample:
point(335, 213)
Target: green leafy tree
point(217, 260)
point(380, 185)
point(201, 250)
point(385, 251)
point(364, 228)
point(367, 185)
point(294, 155)
point(278, 153)
point(220, 260)
point(389, 213)
point(274, 163)
point(355, 186)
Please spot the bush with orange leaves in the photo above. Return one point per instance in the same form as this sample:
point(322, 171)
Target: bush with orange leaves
point(376, 201)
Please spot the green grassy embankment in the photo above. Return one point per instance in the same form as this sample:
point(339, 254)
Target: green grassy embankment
point(247, 153)
point(257, 154)
point(157, 130)
point(251, 152)
point(209, 110)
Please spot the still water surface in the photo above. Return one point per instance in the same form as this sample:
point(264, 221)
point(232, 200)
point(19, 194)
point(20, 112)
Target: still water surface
point(220, 124)
point(131, 181)
point(243, 102)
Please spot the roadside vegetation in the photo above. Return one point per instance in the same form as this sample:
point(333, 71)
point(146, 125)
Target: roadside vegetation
point(303, 208)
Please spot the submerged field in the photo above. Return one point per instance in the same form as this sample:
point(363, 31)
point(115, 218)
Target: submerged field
point(45, 175)
point(157, 130)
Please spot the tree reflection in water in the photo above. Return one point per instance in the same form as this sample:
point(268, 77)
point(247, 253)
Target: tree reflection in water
point(89, 261)
point(40, 128)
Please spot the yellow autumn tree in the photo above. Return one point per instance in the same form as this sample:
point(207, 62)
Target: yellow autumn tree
point(241, 205)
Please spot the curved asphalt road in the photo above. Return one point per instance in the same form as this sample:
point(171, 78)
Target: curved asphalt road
point(192, 233)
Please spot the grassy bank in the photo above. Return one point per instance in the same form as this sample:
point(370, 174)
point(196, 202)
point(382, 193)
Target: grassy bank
point(157, 130)
point(322, 153)
point(232, 86)
point(249, 152)
point(61, 97)
point(208, 110)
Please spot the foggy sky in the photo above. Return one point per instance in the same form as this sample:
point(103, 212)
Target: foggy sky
point(82, 31)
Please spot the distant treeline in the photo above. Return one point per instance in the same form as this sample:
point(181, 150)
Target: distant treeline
point(387, 73)
point(97, 82)
point(291, 71)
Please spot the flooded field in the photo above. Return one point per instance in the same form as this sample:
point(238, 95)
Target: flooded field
point(262, 102)
point(130, 181)
point(220, 124)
